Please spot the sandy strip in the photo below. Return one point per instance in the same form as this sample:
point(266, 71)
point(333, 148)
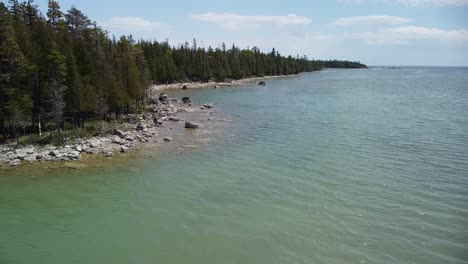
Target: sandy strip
point(195, 85)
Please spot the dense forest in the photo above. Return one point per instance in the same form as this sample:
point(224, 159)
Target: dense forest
point(61, 69)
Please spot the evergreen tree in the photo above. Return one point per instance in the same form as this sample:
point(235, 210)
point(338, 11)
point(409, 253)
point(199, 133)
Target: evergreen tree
point(15, 97)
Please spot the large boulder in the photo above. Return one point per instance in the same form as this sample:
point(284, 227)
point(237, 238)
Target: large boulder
point(78, 148)
point(191, 125)
point(186, 100)
point(163, 97)
point(54, 153)
point(116, 139)
point(94, 142)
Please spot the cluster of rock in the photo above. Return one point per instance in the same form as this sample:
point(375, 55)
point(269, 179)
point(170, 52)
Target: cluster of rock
point(104, 146)
point(137, 129)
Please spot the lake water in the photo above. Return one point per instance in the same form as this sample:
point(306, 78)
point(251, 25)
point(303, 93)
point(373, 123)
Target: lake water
point(338, 166)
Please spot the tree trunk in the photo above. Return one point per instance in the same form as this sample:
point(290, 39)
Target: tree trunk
point(40, 128)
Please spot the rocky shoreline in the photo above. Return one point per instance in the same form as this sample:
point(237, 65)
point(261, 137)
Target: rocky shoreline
point(136, 131)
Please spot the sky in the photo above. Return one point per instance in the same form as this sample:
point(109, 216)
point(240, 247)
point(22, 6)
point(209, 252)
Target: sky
point(375, 32)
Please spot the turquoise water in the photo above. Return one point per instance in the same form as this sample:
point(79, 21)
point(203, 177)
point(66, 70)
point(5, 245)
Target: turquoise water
point(338, 166)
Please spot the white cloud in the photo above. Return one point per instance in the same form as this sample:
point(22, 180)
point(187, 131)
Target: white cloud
point(433, 2)
point(415, 3)
point(403, 35)
point(133, 24)
point(236, 21)
point(382, 20)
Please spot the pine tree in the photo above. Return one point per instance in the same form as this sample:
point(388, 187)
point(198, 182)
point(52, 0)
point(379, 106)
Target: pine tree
point(15, 102)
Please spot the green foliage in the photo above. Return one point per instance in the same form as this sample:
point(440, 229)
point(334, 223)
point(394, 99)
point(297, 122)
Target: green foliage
point(15, 99)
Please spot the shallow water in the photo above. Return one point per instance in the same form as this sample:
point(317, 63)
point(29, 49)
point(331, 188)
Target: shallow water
point(338, 166)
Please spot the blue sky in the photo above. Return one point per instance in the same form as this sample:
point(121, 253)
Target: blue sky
point(376, 32)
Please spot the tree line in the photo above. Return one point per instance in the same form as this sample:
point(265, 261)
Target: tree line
point(63, 69)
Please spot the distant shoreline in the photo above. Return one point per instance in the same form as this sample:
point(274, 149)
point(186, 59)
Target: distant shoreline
point(212, 84)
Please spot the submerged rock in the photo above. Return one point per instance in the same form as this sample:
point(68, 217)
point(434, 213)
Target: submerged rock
point(186, 100)
point(168, 139)
point(76, 166)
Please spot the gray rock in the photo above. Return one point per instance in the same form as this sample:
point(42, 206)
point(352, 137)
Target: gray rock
point(174, 118)
point(119, 133)
point(191, 125)
point(163, 97)
point(74, 153)
point(30, 151)
point(157, 122)
point(123, 149)
point(54, 153)
point(94, 142)
point(168, 139)
point(140, 126)
point(109, 154)
point(21, 156)
point(39, 157)
point(92, 151)
point(186, 100)
point(145, 130)
point(209, 106)
point(31, 158)
point(15, 162)
point(116, 139)
point(78, 148)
